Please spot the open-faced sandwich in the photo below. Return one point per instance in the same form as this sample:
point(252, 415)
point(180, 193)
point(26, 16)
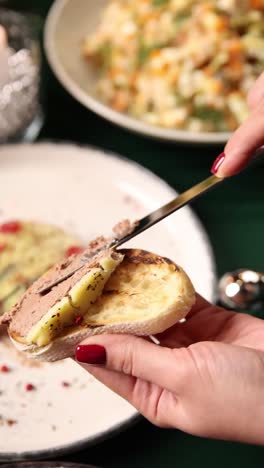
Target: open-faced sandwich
point(100, 290)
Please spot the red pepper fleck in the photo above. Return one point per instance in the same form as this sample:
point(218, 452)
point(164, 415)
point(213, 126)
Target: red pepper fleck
point(2, 247)
point(10, 227)
point(78, 320)
point(66, 384)
point(11, 422)
point(73, 250)
point(4, 368)
point(29, 387)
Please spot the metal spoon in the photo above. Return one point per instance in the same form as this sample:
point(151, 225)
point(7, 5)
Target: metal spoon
point(242, 289)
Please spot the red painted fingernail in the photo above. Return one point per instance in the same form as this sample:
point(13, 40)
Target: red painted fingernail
point(91, 354)
point(219, 160)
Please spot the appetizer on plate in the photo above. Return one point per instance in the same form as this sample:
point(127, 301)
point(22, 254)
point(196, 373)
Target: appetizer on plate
point(185, 64)
point(27, 250)
point(98, 291)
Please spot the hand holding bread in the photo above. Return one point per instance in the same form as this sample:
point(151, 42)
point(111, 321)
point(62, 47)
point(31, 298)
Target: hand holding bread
point(206, 377)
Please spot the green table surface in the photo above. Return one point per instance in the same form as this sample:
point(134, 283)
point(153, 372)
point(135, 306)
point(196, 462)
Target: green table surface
point(233, 216)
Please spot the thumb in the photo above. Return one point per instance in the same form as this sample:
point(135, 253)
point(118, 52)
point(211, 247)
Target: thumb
point(136, 357)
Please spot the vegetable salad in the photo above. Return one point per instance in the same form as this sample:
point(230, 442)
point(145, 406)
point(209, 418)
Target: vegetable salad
point(183, 64)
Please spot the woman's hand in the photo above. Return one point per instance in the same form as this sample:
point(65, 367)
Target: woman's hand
point(207, 378)
point(247, 138)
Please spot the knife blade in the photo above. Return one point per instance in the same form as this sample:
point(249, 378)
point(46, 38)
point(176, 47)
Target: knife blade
point(148, 221)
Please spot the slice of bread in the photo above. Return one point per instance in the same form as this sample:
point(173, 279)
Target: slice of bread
point(144, 296)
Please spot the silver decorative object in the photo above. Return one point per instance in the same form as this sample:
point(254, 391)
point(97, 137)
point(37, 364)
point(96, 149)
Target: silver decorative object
point(20, 113)
point(242, 290)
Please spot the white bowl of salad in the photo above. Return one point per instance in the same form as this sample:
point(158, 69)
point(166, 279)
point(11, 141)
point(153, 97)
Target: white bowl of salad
point(178, 70)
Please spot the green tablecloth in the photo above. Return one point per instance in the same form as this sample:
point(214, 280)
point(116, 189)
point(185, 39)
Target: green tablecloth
point(233, 215)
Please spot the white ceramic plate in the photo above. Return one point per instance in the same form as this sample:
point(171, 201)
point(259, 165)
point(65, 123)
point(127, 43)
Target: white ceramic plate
point(86, 192)
point(68, 23)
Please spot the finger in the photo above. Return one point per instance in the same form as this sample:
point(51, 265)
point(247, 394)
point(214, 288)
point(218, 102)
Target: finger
point(138, 358)
point(121, 384)
point(243, 144)
point(144, 396)
point(203, 323)
point(256, 93)
point(199, 305)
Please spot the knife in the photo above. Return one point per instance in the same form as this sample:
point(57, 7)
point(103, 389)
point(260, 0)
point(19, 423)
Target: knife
point(148, 221)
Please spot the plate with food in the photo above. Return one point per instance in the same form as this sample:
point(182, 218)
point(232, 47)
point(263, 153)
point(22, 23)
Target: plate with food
point(178, 71)
point(55, 201)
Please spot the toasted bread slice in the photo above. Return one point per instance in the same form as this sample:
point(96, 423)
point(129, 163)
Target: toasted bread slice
point(145, 295)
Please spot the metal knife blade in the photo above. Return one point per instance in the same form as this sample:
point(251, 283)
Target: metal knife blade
point(151, 219)
point(174, 205)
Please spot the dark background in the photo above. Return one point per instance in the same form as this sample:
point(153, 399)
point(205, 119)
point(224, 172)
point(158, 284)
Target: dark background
point(233, 216)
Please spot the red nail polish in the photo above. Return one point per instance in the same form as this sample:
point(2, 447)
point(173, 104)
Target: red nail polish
point(219, 160)
point(91, 354)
